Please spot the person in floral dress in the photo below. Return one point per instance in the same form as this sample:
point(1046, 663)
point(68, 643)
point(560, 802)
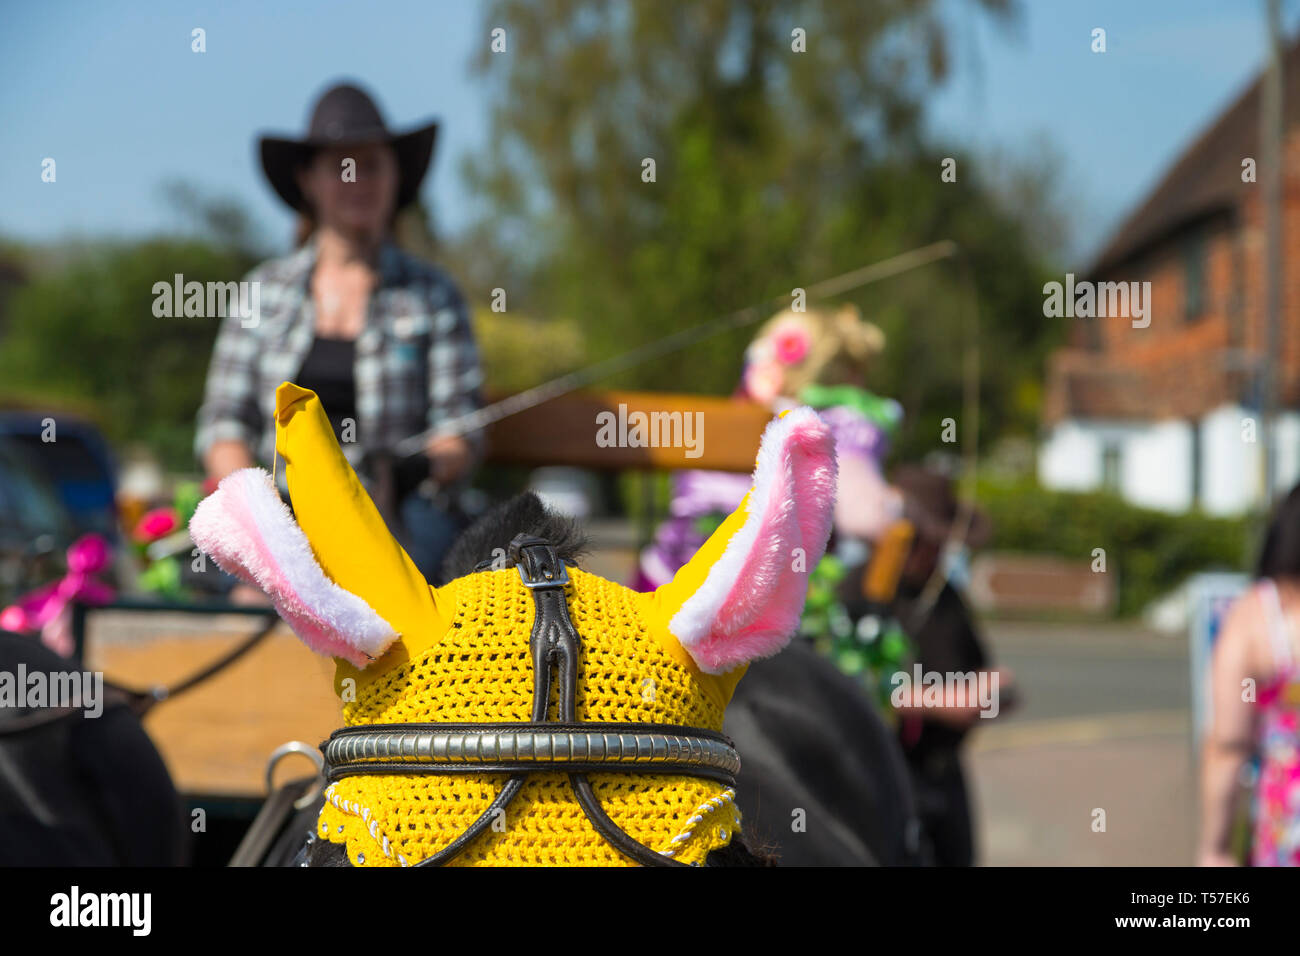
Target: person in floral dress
point(1255, 713)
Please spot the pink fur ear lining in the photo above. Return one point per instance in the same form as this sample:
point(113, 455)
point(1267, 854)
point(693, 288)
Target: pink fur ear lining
point(248, 531)
point(751, 600)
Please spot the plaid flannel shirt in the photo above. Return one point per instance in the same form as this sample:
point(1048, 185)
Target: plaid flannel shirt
point(417, 363)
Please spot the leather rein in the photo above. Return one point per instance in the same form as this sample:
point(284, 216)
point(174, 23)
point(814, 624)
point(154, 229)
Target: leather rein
point(541, 745)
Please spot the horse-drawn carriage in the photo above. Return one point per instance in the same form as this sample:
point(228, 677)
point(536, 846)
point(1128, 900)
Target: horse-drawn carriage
point(245, 696)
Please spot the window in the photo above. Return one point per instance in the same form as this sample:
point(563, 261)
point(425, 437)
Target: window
point(1198, 486)
point(1110, 466)
point(1194, 278)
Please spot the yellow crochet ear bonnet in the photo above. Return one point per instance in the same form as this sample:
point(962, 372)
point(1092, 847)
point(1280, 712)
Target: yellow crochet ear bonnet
point(460, 654)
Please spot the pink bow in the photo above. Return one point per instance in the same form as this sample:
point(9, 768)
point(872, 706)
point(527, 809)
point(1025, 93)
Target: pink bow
point(46, 608)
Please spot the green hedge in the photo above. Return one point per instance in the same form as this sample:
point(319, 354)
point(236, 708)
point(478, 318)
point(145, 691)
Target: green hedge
point(84, 335)
point(1150, 552)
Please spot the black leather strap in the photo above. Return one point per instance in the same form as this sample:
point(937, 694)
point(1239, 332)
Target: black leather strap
point(472, 832)
point(555, 644)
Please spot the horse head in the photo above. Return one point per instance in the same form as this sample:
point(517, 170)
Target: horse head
point(622, 693)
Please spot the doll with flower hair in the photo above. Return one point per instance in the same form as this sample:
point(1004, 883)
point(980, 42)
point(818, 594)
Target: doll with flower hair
point(820, 358)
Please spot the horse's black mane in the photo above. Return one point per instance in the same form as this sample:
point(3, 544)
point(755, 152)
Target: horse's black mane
point(489, 537)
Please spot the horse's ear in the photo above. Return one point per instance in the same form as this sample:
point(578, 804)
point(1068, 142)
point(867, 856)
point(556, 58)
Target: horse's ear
point(249, 532)
point(740, 597)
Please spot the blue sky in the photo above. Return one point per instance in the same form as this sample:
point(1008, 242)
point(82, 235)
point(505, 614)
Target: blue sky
point(112, 91)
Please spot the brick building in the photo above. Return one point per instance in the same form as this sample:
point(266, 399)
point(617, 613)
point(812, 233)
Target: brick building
point(1168, 415)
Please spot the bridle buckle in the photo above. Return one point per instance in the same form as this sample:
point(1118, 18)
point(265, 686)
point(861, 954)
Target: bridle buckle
point(538, 564)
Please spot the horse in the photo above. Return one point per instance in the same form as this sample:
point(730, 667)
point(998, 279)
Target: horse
point(527, 712)
point(822, 781)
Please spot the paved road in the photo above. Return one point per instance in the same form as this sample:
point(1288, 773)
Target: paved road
point(1104, 727)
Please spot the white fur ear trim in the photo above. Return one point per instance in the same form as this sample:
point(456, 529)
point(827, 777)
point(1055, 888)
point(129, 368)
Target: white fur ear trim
point(249, 532)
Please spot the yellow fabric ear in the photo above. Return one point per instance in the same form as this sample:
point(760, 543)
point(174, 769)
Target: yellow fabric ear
point(347, 534)
point(671, 596)
point(667, 599)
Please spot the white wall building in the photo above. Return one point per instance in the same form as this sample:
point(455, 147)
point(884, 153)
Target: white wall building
point(1215, 464)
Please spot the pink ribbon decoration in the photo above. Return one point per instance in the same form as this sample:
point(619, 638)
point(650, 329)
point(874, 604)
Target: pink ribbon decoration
point(47, 609)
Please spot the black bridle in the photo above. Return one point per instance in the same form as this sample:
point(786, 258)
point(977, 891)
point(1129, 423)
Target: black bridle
point(541, 745)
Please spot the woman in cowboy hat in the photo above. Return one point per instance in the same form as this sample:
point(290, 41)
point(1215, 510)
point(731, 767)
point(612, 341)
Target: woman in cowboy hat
point(383, 338)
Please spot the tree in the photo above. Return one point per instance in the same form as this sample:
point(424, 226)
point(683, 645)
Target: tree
point(772, 168)
point(86, 335)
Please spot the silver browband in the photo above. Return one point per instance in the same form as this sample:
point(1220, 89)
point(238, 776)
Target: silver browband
point(502, 750)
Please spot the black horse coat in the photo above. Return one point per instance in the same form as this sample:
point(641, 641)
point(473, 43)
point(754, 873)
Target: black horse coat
point(822, 780)
point(79, 791)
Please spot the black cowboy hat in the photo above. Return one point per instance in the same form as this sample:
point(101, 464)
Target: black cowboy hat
point(345, 114)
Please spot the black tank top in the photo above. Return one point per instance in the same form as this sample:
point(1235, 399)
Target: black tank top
point(327, 371)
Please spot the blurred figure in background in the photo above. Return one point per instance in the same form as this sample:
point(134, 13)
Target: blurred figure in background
point(943, 640)
point(1255, 708)
point(384, 339)
point(814, 730)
